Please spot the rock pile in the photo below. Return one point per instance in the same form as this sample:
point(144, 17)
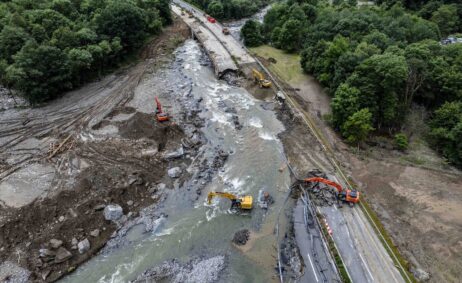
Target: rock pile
point(241, 237)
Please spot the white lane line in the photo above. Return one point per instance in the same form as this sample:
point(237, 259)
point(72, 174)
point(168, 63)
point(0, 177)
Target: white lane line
point(312, 266)
point(367, 268)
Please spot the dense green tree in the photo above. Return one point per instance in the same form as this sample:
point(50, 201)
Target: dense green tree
point(12, 39)
point(358, 126)
point(382, 79)
point(49, 46)
point(446, 18)
point(251, 33)
point(446, 131)
point(291, 35)
point(215, 9)
point(123, 20)
point(40, 71)
point(344, 104)
point(378, 38)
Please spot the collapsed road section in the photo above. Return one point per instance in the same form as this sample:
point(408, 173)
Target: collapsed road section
point(222, 60)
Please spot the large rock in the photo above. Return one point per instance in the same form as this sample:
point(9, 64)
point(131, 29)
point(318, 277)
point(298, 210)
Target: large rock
point(62, 255)
point(421, 275)
point(241, 237)
point(174, 154)
point(95, 233)
point(55, 243)
point(83, 246)
point(174, 172)
point(113, 212)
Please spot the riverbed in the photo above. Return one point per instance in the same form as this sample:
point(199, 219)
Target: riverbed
point(237, 124)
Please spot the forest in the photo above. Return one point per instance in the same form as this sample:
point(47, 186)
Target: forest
point(230, 9)
point(377, 62)
point(50, 46)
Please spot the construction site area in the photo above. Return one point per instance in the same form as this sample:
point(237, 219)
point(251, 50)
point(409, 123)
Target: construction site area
point(198, 163)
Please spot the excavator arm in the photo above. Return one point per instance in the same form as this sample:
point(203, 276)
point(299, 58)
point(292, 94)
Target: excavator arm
point(160, 115)
point(159, 106)
point(220, 194)
point(324, 181)
point(244, 202)
point(350, 196)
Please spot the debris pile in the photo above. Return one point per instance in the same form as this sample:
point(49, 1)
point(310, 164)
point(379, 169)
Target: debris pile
point(241, 237)
point(197, 270)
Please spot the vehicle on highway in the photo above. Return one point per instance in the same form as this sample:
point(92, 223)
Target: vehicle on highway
point(211, 19)
point(225, 31)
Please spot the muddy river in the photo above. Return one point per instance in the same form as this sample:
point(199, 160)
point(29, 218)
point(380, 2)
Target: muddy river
point(194, 229)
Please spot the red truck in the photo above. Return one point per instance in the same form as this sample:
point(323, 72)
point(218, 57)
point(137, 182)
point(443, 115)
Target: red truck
point(210, 19)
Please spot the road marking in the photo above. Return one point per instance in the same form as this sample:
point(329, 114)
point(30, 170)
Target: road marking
point(312, 266)
point(367, 268)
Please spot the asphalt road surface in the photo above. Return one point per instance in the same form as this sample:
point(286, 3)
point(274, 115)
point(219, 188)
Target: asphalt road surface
point(318, 263)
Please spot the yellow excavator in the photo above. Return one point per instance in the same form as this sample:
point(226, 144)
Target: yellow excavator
point(244, 202)
point(260, 79)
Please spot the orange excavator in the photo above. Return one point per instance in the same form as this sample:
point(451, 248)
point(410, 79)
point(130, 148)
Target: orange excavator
point(160, 115)
point(343, 195)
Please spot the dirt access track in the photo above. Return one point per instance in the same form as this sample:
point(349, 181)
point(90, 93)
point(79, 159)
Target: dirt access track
point(420, 205)
point(62, 163)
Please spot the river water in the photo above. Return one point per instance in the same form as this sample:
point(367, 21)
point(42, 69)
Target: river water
point(193, 228)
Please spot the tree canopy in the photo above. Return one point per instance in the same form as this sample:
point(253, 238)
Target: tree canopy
point(375, 61)
point(49, 46)
point(230, 9)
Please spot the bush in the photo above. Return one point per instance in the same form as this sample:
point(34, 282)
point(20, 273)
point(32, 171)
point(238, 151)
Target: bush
point(401, 141)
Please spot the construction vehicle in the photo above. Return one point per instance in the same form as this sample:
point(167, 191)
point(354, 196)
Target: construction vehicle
point(160, 115)
point(343, 195)
point(225, 31)
point(260, 79)
point(244, 202)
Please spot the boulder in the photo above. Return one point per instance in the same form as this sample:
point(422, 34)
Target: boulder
point(83, 246)
point(421, 275)
point(99, 207)
point(46, 253)
point(174, 172)
point(95, 233)
point(135, 180)
point(174, 154)
point(55, 243)
point(113, 212)
point(241, 237)
point(62, 255)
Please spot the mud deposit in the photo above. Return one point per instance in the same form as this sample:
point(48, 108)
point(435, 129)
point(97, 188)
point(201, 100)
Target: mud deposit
point(105, 152)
